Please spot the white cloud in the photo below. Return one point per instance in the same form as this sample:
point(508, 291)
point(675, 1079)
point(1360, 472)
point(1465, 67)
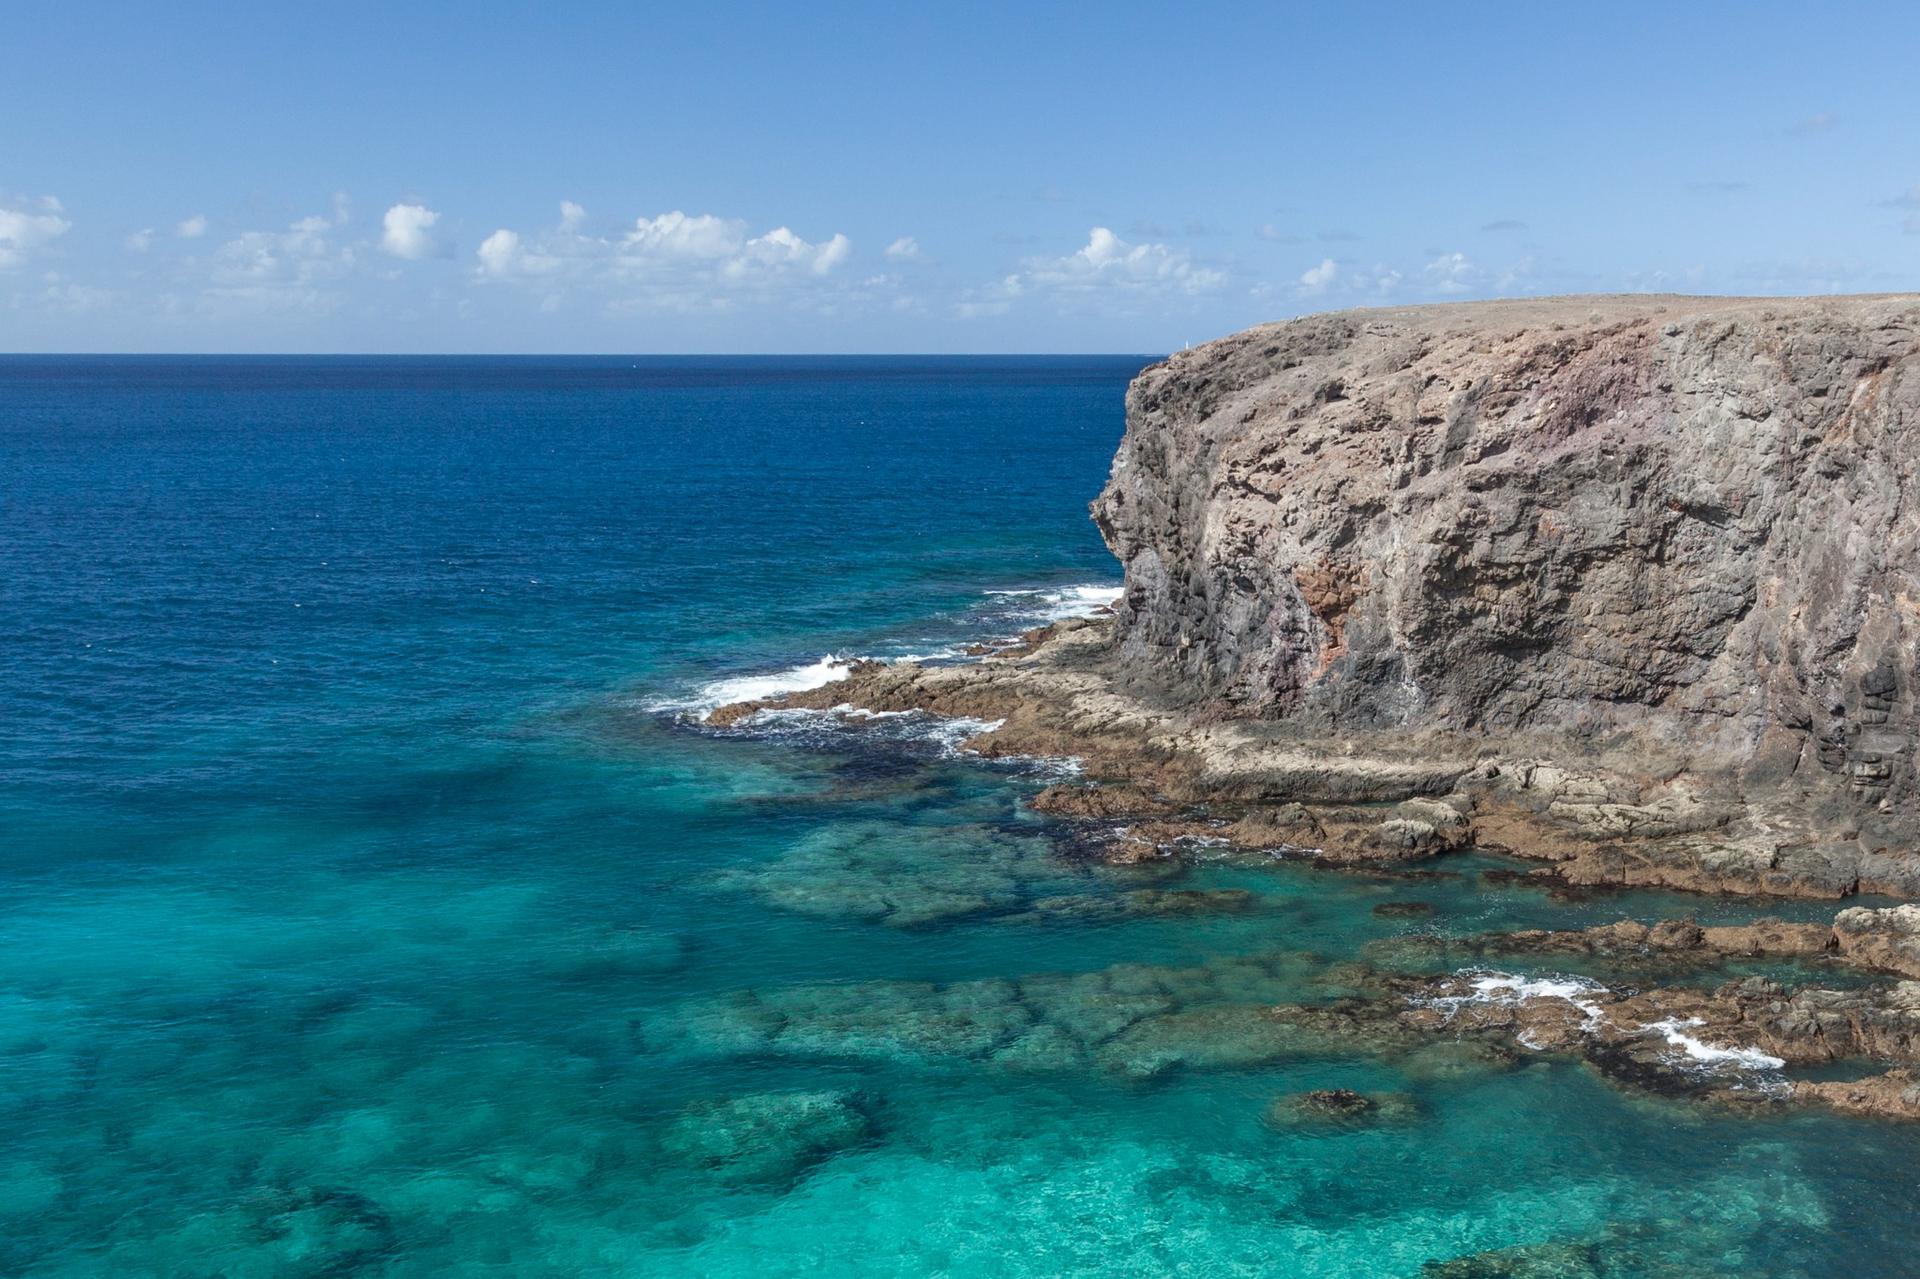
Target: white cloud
point(675, 259)
point(407, 232)
point(502, 256)
point(1109, 262)
point(904, 249)
point(1363, 284)
point(191, 228)
point(1453, 273)
point(677, 236)
point(280, 270)
point(1107, 268)
point(139, 241)
point(1316, 279)
point(29, 226)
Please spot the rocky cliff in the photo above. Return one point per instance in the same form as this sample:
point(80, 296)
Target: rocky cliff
point(1677, 535)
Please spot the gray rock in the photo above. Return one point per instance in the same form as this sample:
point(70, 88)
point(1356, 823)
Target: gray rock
point(1884, 939)
point(1665, 535)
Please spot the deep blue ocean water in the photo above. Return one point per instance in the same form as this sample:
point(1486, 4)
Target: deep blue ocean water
point(373, 902)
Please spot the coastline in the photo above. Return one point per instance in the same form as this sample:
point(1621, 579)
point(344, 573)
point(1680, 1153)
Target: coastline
point(1162, 781)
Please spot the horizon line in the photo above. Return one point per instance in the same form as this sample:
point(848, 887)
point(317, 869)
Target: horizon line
point(568, 355)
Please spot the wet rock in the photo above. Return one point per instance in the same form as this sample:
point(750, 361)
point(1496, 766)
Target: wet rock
point(1718, 1043)
point(1046, 1048)
point(1403, 910)
point(1145, 901)
point(1530, 1261)
point(1340, 1107)
point(1893, 1095)
point(1191, 901)
point(305, 1232)
point(766, 1138)
point(900, 1020)
point(1091, 1008)
point(1672, 939)
point(1454, 1059)
point(1099, 802)
point(1408, 831)
point(900, 876)
point(1229, 1037)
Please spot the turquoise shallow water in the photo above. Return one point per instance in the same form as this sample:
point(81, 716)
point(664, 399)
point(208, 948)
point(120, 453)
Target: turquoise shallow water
point(368, 908)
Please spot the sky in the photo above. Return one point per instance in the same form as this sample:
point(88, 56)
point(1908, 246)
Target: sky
point(843, 177)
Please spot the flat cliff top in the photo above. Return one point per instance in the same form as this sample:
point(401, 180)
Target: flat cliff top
point(1582, 310)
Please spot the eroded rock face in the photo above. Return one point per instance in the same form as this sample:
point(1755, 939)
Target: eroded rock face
point(1677, 534)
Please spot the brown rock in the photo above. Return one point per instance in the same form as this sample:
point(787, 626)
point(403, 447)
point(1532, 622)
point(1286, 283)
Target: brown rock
point(1893, 1095)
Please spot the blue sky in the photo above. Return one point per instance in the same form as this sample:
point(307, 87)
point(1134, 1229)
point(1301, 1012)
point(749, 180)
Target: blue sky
point(849, 177)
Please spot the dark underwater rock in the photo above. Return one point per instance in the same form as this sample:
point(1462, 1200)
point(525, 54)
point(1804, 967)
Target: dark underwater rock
point(1340, 1107)
point(766, 1138)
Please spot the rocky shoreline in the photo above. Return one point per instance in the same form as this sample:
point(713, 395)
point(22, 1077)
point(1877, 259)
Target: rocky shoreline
point(1166, 782)
point(1176, 773)
point(1624, 588)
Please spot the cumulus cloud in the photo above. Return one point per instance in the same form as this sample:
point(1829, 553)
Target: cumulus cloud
point(1278, 234)
point(1452, 273)
point(191, 228)
point(1107, 261)
point(1365, 284)
point(1316, 279)
point(1106, 267)
point(139, 241)
point(28, 226)
point(904, 249)
point(281, 270)
point(675, 258)
point(407, 232)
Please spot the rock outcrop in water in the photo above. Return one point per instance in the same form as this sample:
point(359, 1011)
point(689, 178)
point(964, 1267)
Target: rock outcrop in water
point(1672, 537)
point(1695, 522)
point(1627, 586)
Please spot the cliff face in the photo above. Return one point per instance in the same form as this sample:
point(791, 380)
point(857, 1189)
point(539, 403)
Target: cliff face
point(1681, 531)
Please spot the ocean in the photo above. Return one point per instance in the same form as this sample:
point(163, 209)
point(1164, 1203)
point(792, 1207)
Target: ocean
point(376, 902)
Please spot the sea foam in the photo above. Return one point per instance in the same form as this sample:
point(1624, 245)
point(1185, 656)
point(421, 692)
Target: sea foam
point(1056, 604)
point(1674, 1030)
point(710, 697)
point(1507, 988)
